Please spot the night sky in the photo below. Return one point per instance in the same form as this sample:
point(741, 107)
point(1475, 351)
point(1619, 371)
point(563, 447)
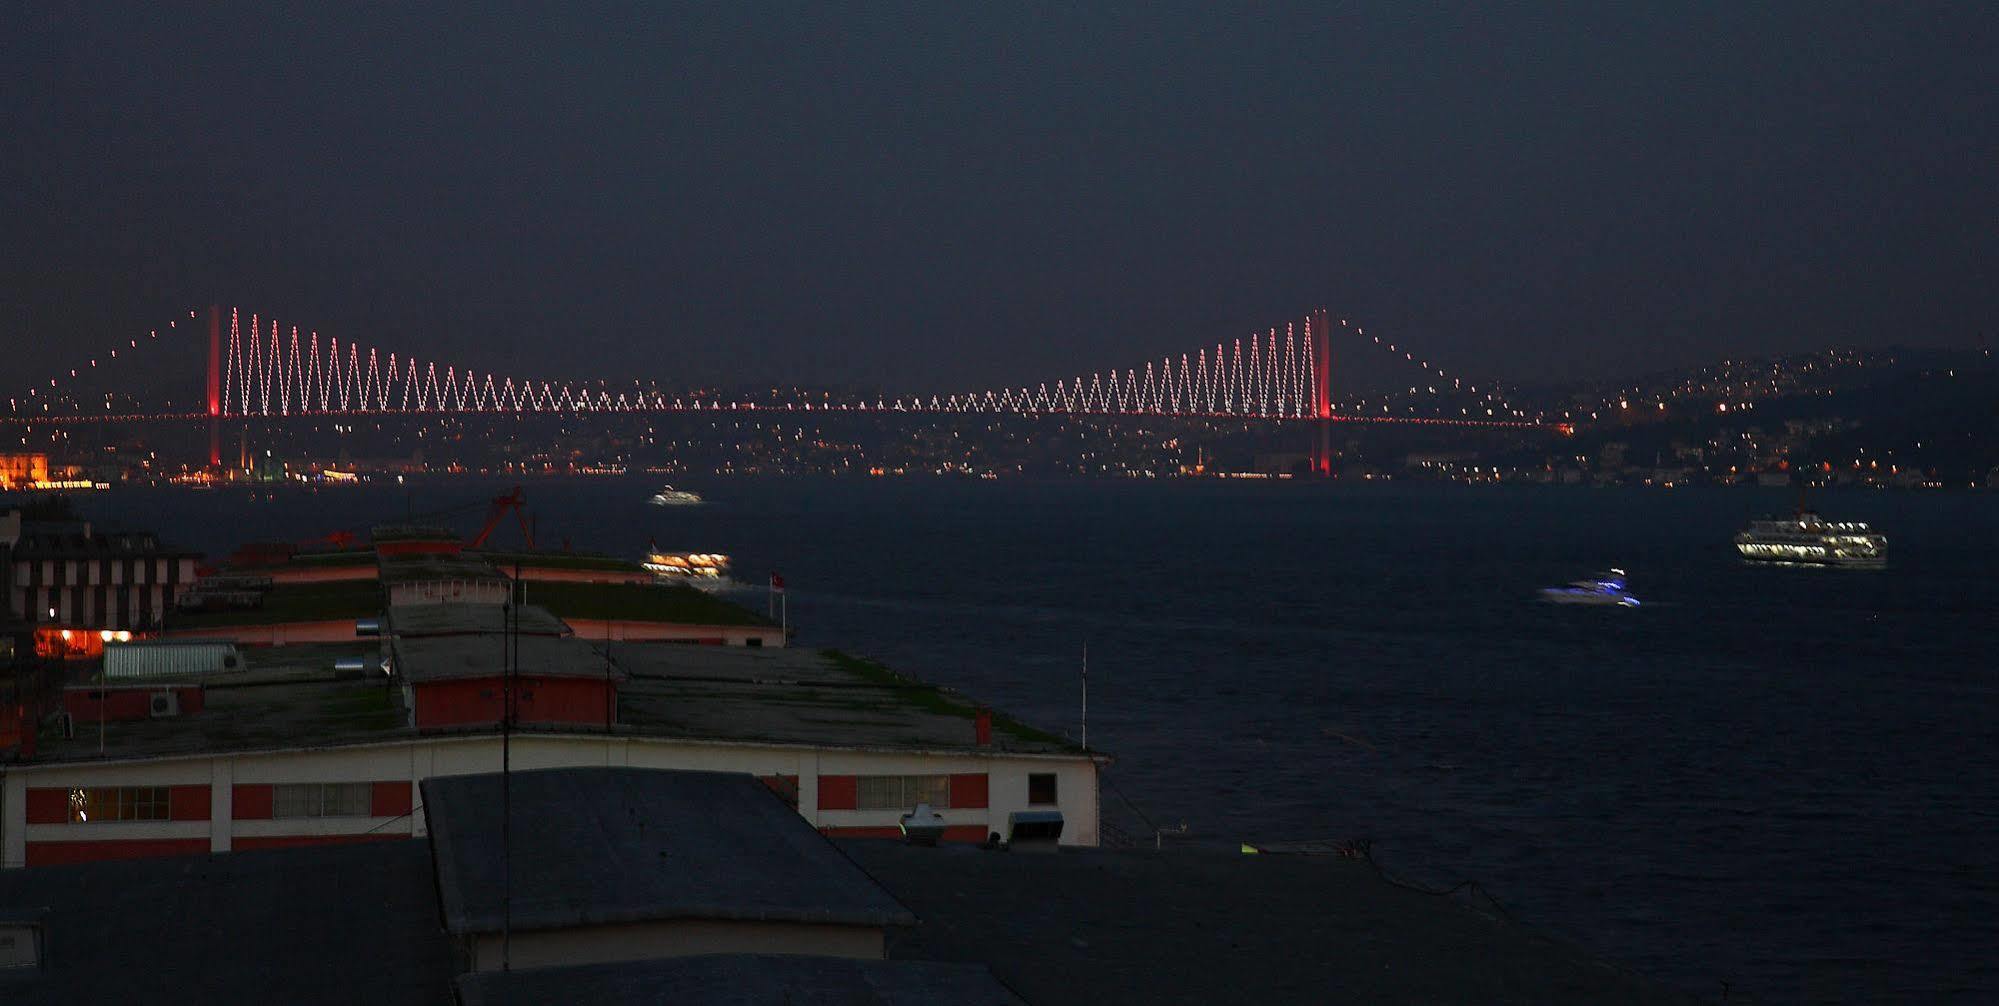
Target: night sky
point(931, 199)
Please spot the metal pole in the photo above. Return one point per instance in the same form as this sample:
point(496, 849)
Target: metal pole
point(509, 645)
point(1086, 695)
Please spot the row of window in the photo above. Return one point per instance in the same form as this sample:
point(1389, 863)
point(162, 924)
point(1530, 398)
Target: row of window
point(151, 803)
point(903, 792)
point(119, 803)
point(356, 799)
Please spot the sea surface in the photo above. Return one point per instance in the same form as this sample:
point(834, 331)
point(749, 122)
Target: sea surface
point(1778, 784)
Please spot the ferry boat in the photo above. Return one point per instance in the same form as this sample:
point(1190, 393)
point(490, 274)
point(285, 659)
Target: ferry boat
point(1807, 538)
point(669, 496)
point(1604, 588)
point(687, 566)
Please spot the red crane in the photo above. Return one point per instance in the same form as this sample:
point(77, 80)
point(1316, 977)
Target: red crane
point(501, 504)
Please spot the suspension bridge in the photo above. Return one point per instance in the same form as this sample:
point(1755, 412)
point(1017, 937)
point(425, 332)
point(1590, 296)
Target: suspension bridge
point(258, 368)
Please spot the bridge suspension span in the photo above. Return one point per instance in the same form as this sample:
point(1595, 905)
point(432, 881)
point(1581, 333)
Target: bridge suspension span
point(260, 368)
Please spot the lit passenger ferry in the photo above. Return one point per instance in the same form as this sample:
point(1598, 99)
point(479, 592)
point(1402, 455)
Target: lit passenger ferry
point(1805, 537)
point(686, 566)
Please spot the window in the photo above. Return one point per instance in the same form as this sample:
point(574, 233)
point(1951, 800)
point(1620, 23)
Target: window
point(119, 803)
point(903, 792)
point(1040, 788)
point(323, 799)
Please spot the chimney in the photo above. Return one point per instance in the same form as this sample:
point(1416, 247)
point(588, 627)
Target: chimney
point(982, 728)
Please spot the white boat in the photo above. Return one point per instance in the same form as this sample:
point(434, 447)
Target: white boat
point(1807, 538)
point(1604, 589)
point(669, 496)
point(687, 566)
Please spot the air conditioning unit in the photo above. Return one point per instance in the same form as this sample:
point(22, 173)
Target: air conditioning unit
point(164, 704)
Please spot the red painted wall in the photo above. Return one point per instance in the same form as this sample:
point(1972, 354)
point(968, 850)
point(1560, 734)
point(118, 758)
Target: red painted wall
point(392, 799)
point(968, 791)
point(339, 630)
point(188, 803)
point(839, 792)
point(477, 702)
point(57, 853)
point(47, 805)
point(241, 844)
point(250, 802)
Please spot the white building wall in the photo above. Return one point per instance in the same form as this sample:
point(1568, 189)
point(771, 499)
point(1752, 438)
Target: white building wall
point(417, 759)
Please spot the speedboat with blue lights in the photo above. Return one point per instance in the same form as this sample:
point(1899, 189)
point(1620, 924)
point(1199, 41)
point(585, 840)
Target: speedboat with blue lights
point(1603, 589)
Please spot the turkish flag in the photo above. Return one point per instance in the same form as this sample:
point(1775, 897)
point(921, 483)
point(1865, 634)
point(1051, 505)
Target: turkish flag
point(776, 584)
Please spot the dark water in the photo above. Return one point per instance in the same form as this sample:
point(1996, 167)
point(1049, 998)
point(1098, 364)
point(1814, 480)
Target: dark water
point(1782, 779)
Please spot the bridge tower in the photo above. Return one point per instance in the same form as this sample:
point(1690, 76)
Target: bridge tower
point(1320, 324)
point(214, 386)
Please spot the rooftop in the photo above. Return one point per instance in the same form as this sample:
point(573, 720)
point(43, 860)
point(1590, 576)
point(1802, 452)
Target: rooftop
point(1088, 926)
point(800, 697)
point(318, 601)
point(639, 602)
point(414, 620)
point(290, 696)
point(420, 568)
point(615, 845)
point(561, 560)
point(345, 557)
point(735, 979)
point(425, 659)
point(245, 927)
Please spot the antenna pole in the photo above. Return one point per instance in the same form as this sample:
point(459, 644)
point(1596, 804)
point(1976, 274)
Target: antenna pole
point(1086, 695)
point(509, 645)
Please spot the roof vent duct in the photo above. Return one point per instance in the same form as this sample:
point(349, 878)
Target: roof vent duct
point(1033, 830)
point(922, 826)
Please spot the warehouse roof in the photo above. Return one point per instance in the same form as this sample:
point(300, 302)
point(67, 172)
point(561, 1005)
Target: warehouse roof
point(291, 696)
point(414, 620)
point(742, 978)
point(421, 568)
point(802, 697)
point(425, 659)
point(673, 603)
point(616, 845)
point(312, 601)
point(274, 926)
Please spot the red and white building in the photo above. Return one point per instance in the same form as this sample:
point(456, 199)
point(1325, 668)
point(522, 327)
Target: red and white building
point(295, 750)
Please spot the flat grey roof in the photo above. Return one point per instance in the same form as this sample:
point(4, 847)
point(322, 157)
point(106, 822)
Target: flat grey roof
point(410, 620)
point(273, 926)
point(290, 697)
point(1089, 926)
point(264, 709)
point(795, 696)
point(735, 979)
point(749, 665)
point(447, 658)
point(610, 845)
